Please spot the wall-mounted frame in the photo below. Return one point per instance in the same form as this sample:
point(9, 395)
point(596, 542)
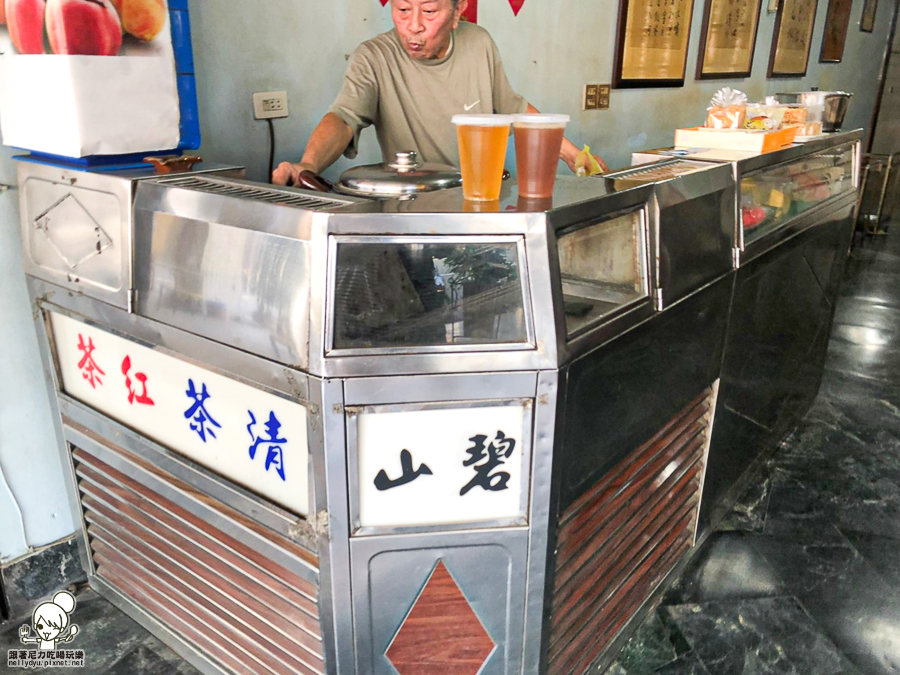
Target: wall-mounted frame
point(867, 20)
point(837, 21)
point(652, 43)
point(728, 38)
point(793, 38)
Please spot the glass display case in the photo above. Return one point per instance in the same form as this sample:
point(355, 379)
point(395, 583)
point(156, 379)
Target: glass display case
point(411, 293)
point(772, 196)
point(603, 268)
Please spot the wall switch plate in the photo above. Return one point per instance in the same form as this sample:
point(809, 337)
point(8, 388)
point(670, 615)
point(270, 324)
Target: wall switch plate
point(603, 96)
point(596, 96)
point(591, 96)
point(270, 104)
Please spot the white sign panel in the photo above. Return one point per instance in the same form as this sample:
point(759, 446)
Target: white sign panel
point(252, 437)
point(443, 466)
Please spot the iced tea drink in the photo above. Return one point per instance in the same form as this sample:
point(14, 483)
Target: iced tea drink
point(482, 152)
point(538, 142)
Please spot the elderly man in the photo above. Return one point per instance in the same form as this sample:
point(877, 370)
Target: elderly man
point(408, 83)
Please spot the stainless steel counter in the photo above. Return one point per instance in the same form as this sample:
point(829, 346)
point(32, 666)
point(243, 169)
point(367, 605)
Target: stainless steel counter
point(311, 423)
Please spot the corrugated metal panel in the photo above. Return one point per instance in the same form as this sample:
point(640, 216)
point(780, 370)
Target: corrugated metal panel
point(239, 607)
point(619, 540)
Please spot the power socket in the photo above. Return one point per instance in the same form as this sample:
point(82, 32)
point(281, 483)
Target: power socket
point(270, 104)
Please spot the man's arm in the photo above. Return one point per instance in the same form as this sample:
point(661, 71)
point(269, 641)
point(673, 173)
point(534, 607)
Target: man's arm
point(569, 151)
point(326, 143)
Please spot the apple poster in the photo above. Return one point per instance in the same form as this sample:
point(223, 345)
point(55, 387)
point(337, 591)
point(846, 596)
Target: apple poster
point(110, 67)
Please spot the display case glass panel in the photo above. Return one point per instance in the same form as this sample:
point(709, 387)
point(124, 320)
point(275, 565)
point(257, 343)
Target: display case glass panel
point(772, 197)
point(429, 292)
point(603, 268)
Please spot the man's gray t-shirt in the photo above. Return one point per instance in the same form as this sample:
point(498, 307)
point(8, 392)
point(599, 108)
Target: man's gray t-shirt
point(410, 101)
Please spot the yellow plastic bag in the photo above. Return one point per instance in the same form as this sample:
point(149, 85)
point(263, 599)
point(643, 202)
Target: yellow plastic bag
point(586, 164)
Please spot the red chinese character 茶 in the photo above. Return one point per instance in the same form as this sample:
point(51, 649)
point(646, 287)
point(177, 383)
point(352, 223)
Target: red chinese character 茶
point(88, 367)
point(132, 391)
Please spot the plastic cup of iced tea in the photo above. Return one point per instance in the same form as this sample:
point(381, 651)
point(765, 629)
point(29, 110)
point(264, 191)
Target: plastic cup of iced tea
point(482, 152)
point(539, 138)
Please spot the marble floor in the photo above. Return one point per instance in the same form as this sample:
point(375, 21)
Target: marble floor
point(802, 577)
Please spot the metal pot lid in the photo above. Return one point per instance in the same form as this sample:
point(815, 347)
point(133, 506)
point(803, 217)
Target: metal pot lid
point(404, 176)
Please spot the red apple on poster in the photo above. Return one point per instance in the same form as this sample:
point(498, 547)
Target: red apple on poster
point(89, 27)
point(2, 13)
point(25, 19)
point(144, 19)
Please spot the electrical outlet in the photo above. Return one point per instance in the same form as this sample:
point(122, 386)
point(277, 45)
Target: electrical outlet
point(270, 104)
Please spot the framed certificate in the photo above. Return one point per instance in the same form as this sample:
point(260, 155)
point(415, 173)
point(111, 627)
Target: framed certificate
point(867, 22)
point(652, 43)
point(728, 38)
point(837, 21)
point(793, 38)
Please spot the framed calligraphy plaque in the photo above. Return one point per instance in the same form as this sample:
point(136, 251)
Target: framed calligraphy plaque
point(728, 38)
point(652, 43)
point(867, 21)
point(793, 38)
point(837, 21)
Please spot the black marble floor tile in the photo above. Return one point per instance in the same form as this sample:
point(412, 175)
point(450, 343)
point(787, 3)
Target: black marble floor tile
point(145, 661)
point(657, 647)
point(881, 553)
point(728, 566)
point(112, 642)
point(856, 607)
point(749, 512)
point(871, 361)
point(758, 636)
point(36, 577)
point(854, 312)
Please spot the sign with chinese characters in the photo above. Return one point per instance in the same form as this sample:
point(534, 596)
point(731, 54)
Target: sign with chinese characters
point(251, 437)
point(652, 42)
point(443, 466)
point(793, 37)
point(728, 38)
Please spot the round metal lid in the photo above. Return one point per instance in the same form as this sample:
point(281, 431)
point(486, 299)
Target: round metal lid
point(404, 176)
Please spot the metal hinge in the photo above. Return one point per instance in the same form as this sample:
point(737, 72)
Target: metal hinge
point(4, 187)
point(659, 300)
point(735, 258)
point(132, 300)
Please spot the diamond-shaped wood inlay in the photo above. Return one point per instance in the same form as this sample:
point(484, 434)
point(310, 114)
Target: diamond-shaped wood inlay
point(442, 635)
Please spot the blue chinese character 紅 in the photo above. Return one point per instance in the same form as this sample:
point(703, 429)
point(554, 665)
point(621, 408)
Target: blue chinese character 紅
point(275, 453)
point(199, 413)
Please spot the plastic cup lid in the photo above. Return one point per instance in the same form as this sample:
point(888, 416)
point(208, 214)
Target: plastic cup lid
point(482, 120)
point(541, 119)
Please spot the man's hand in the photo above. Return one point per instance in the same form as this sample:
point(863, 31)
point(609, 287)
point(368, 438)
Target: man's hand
point(569, 153)
point(287, 173)
point(299, 175)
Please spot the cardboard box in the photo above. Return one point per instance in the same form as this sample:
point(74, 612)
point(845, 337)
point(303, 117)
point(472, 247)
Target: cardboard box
point(735, 139)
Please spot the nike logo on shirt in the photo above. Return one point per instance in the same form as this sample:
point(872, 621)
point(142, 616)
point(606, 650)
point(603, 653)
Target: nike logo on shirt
point(467, 108)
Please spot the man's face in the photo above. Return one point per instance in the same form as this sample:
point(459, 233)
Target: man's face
point(425, 26)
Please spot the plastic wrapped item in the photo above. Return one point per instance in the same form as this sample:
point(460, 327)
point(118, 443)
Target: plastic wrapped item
point(586, 164)
point(727, 109)
point(761, 123)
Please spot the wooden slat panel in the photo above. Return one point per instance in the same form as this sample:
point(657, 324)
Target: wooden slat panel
point(174, 592)
point(173, 518)
point(214, 554)
point(619, 540)
point(236, 605)
point(685, 416)
point(577, 552)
